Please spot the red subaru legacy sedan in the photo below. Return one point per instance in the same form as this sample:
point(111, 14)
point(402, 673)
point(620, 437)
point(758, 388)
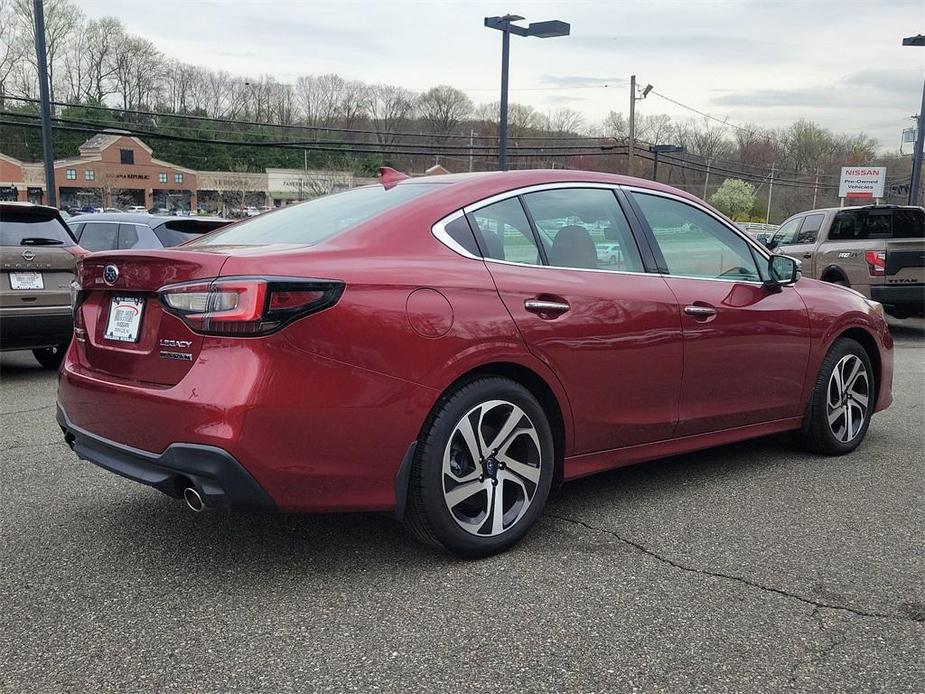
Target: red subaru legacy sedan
point(451, 348)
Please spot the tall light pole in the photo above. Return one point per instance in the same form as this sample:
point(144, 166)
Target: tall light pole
point(915, 183)
point(48, 154)
point(633, 99)
point(505, 24)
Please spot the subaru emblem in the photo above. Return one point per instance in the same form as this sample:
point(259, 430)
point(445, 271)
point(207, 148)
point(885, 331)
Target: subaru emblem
point(110, 274)
point(28, 255)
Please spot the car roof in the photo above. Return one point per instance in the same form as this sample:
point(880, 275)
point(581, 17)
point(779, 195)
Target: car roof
point(151, 220)
point(467, 188)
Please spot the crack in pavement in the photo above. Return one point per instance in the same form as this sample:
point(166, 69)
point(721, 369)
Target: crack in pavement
point(815, 657)
point(34, 409)
point(731, 577)
point(33, 445)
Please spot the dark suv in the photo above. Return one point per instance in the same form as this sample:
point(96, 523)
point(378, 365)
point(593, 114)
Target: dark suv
point(37, 258)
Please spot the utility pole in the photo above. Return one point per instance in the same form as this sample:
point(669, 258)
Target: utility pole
point(471, 136)
point(916, 182)
point(632, 143)
point(767, 218)
point(706, 182)
point(815, 188)
point(47, 150)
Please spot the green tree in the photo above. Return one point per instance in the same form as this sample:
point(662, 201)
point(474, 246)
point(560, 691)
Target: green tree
point(734, 198)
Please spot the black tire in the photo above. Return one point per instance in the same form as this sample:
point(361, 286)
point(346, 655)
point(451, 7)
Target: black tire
point(428, 517)
point(50, 357)
point(816, 433)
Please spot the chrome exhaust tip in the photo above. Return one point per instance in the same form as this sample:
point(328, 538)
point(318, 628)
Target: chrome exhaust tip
point(193, 500)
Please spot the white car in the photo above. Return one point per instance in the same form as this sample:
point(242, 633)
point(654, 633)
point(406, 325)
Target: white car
point(609, 253)
point(250, 211)
point(136, 209)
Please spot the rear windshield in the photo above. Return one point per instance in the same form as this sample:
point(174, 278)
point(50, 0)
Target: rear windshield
point(852, 225)
point(177, 231)
point(32, 227)
point(311, 222)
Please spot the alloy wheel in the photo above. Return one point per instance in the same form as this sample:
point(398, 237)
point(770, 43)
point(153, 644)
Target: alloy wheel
point(847, 398)
point(491, 468)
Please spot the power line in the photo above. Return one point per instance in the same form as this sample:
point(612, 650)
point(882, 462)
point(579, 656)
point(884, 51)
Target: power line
point(290, 126)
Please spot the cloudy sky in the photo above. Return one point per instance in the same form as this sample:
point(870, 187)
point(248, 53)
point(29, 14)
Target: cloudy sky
point(768, 62)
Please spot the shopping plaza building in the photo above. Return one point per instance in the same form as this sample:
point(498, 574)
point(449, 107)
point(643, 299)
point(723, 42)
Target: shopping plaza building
point(113, 169)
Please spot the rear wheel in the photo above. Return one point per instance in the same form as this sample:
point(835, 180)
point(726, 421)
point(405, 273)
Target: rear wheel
point(842, 401)
point(482, 470)
point(50, 357)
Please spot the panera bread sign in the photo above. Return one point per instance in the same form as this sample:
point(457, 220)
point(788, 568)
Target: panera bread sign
point(862, 182)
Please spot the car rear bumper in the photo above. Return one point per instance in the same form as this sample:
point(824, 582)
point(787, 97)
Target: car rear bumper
point(34, 327)
point(316, 434)
point(220, 480)
point(908, 298)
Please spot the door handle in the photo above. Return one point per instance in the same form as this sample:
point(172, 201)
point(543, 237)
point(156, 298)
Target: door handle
point(700, 311)
point(546, 307)
point(807, 255)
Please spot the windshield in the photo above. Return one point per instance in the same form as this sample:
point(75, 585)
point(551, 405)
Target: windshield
point(32, 227)
point(314, 221)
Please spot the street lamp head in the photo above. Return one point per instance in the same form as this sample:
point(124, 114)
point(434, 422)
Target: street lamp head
point(645, 92)
point(548, 30)
point(917, 40)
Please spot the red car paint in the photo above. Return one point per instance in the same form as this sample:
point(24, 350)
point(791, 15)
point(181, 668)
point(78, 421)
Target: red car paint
point(322, 412)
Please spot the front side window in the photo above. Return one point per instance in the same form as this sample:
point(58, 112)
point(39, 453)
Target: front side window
point(694, 244)
point(127, 156)
point(810, 229)
point(71, 174)
point(504, 233)
point(787, 232)
point(162, 177)
point(89, 175)
point(584, 228)
point(312, 222)
point(178, 178)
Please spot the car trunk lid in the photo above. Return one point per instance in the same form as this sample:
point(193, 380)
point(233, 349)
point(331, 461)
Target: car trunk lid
point(156, 347)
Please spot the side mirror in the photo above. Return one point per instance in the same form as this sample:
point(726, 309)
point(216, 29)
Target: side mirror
point(782, 270)
point(771, 243)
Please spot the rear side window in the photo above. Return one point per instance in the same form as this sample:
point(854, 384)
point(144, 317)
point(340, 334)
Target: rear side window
point(100, 236)
point(128, 236)
point(855, 225)
point(177, 231)
point(312, 222)
point(908, 224)
point(32, 227)
point(810, 229)
point(584, 228)
point(504, 233)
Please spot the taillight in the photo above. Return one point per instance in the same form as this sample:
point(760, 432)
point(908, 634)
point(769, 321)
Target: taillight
point(876, 263)
point(247, 306)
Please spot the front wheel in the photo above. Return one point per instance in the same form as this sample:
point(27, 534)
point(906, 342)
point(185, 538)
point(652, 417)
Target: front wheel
point(50, 357)
point(842, 401)
point(482, 470)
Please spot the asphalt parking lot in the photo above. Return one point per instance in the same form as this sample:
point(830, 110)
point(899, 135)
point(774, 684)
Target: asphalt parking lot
point(750, 568)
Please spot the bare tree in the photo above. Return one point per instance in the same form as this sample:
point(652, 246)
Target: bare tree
point(137, 70)
point(563, 120)
point(442, 108)
point(389, 107)
point(11, 47)
point(61, 19)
